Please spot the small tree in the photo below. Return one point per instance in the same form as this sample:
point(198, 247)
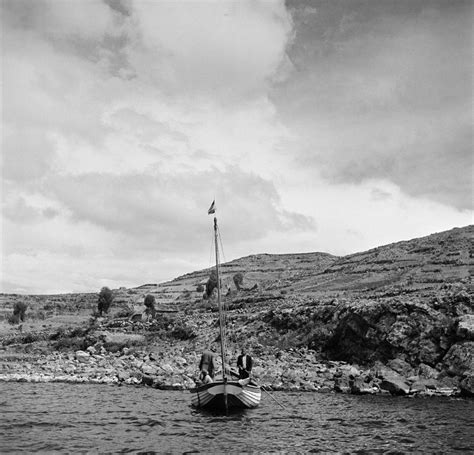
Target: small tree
point(106, 297)
point(19, 310)
point(238, 280)
point(211, 283)
point(150, 305)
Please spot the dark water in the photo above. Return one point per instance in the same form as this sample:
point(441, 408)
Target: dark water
point(100, 418)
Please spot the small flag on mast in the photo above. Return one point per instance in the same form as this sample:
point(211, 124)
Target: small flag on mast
point(212, 208)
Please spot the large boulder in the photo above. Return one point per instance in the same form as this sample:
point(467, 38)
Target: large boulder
point(467, 386)
point(123, 375)
point(459, 361)
point(383, 372)
point(147, 380)
point(401, 366)
point(149, 370)
point(395, 386)
point(82, 356)
point(258, 372)
point(360, 387)
point(427, 372)
point(422, 385)
point(342, 385)
point(427, 350)
point(166, 367)
point(465, 327)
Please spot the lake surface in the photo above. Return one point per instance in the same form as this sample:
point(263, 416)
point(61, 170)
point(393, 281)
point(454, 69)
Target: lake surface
point(99, 418)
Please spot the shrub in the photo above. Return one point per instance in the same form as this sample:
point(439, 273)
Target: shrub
point(211, 283)
point(124, 312)
point(70, 344)
point(150, 305)
point(183, 332)
point(150, 301)
point(32, 337)
point(200, 288)
point(106, 298)
point(14, 319)
point(238, 280)
point(19, 310)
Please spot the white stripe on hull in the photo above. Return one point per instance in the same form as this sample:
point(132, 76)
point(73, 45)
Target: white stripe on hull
point(246, 396)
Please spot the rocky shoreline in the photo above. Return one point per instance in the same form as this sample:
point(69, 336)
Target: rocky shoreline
point(285, 371)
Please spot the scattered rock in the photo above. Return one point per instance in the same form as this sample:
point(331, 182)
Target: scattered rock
point(360, 387)
point(123, 375)
point(82, 356)
point(425, 371)
point(149, 369)
point(401, 367)
point(465, 327)
point(341, 384)
point(467, 386)
point(395, 386)
point(147, 380)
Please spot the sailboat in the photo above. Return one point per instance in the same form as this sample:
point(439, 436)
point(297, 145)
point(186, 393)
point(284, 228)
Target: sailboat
point(224, 393)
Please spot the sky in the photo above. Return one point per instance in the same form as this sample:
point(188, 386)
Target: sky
point(328, 125)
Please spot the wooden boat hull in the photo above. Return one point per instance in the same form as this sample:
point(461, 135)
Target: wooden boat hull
point(216, 394)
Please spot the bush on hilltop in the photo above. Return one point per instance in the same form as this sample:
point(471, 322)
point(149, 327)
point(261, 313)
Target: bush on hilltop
point(238, 280)
point(106, 297)
point(19, 310)
point(211, 283)
point(150, 306)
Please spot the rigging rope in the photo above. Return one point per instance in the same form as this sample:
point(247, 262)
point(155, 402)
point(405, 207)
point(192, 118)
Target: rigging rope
point(221, 245)
point(223, 318)
point(211, 252)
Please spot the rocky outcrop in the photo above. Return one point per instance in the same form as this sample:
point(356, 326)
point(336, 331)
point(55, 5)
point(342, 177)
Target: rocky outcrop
point(384, 330)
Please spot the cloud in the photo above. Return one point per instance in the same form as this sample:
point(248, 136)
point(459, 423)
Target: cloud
point(168, 209)
point(224, 49)
point(384, 93)
point(17, 209)
point(27, 155)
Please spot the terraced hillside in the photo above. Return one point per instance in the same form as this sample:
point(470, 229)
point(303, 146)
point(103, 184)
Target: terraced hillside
point(270, 272)
point(417, 266)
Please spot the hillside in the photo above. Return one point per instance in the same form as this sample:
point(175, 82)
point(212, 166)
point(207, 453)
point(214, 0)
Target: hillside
point(406, 307)
point(416, 267)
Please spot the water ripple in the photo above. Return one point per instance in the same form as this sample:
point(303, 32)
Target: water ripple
point(96, 418)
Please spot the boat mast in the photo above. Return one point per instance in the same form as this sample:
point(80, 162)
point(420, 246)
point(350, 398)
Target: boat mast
point(221, 313)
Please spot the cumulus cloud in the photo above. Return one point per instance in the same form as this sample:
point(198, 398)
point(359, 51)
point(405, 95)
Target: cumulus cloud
point(385, 92)
point(168, 209)
point(228, 49)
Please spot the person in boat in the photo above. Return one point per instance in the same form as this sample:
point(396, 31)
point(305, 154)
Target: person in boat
point(207, 363)
point(244, 364)
point(204, 377)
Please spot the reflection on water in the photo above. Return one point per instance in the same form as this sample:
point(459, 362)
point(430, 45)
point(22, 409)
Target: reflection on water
point(100, 418)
